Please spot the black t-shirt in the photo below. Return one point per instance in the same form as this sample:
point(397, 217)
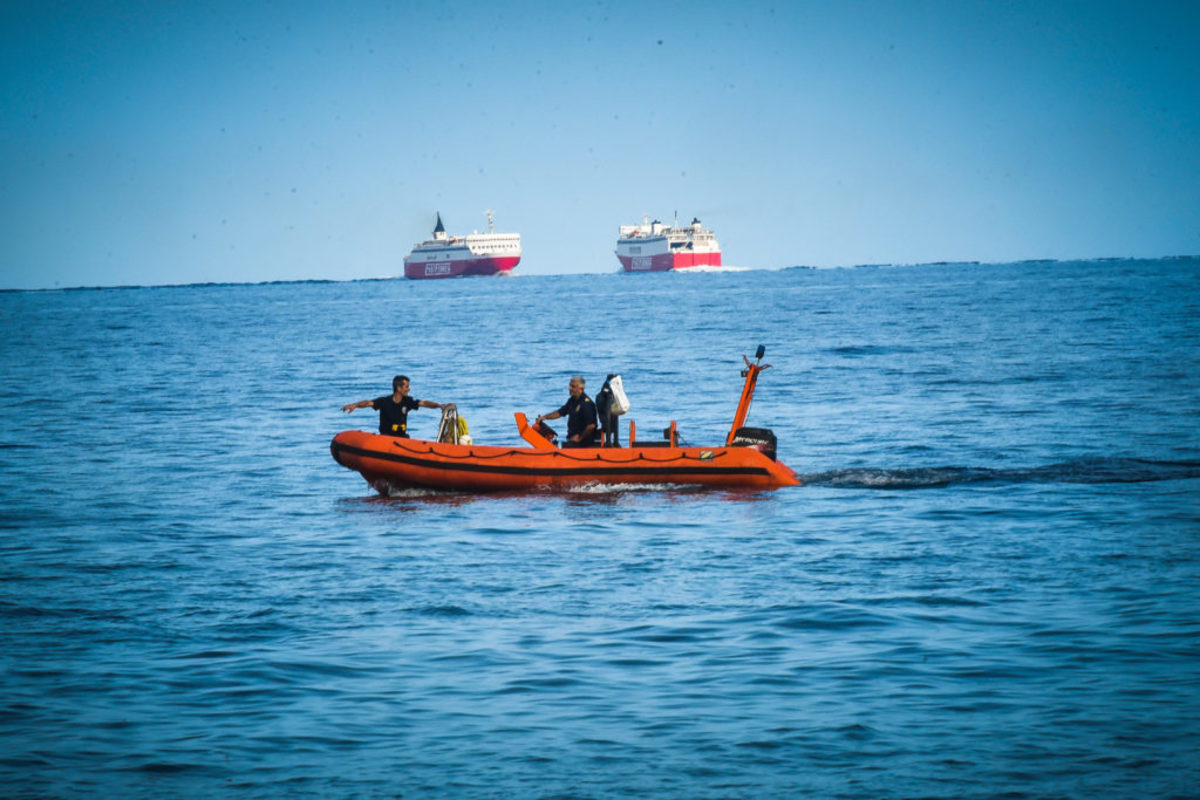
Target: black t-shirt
point(393, 416)
point(580, 412)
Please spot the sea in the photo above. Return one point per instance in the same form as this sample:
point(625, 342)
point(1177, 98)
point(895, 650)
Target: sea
point(988, 585)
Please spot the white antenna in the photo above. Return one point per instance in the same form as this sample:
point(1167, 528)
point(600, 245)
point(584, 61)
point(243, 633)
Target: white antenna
point(491, 226)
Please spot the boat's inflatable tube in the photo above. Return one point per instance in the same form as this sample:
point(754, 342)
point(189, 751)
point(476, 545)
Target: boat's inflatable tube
point(390, 463)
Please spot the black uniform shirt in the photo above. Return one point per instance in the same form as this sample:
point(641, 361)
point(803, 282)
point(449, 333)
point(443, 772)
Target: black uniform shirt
point(393, 416)
point(580, 412)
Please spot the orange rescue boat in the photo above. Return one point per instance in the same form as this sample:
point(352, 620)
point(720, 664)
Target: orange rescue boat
point(746, 460)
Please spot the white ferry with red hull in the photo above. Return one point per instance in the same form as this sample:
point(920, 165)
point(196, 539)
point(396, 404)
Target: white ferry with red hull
point(655, 247)
point(444, 256)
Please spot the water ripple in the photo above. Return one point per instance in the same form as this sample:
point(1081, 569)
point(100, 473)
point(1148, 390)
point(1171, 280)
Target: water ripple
point(197, 602)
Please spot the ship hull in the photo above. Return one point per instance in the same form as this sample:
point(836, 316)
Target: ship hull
point(459, 267)
point(662, 262)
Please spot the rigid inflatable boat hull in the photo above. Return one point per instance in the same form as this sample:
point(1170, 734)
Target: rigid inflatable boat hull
point(385, 461)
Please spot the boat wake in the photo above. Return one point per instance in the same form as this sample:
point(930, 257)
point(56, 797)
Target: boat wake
point(1088, 470)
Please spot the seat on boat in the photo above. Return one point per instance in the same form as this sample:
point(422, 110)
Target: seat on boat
point(670, 437)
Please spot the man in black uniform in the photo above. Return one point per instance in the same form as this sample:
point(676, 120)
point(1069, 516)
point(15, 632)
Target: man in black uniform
point(393, 411)
point(580, 412)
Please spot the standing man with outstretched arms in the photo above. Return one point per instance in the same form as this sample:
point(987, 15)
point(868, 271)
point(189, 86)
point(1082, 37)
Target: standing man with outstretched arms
point(393, 410)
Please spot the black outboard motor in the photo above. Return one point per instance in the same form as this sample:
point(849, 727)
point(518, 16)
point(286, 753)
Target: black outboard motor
point(760, 439)
point(604, 412)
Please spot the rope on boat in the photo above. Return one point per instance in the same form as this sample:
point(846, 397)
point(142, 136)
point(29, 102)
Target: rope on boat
point(429, 450)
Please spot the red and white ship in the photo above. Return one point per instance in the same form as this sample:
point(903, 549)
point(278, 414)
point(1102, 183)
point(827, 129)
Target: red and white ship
point(653, 246)
point(477, 253)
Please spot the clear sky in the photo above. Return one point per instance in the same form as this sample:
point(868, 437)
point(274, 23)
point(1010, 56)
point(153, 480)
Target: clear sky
point(165, 142)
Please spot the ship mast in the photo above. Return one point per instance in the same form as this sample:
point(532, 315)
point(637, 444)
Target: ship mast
point(491, 225)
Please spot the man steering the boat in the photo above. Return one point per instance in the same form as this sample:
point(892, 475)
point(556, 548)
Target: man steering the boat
point(393, 410)
point(580, 412)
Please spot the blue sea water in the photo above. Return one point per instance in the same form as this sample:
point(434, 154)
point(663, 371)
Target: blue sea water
point(989, 585)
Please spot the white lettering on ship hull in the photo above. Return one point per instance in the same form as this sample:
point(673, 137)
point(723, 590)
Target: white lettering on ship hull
point(442, 268)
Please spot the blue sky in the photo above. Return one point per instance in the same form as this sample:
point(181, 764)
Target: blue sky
point(163, 143)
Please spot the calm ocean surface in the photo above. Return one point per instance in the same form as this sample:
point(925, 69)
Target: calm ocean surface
point(988, 587)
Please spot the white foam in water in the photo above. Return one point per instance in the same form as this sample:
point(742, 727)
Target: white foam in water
point(617, 488)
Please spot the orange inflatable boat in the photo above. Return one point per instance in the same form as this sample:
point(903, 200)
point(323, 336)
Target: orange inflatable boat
point(746, 460)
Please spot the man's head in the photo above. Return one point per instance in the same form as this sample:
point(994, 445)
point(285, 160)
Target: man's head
point(400, 384)
point(576, 386)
